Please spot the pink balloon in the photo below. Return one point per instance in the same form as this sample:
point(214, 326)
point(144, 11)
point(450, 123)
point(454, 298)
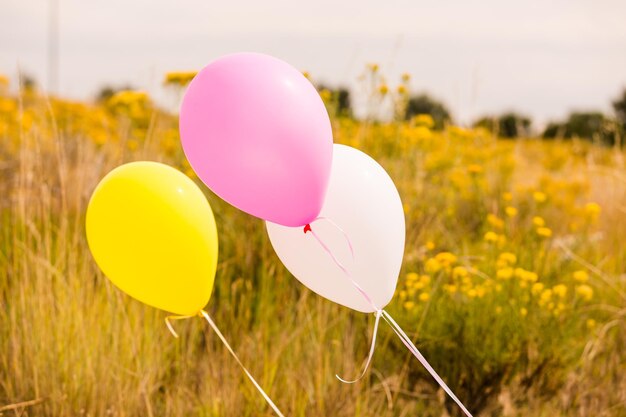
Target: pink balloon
point(256, 132)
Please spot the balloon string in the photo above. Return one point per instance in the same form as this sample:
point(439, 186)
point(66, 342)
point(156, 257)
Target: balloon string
point(413, 349)
point(230, 350)
point(248, 374)
point(343, 232)
point(356, 285)
point(369, 357)
point(308, 228)
point(169, 324)
point(406, 340)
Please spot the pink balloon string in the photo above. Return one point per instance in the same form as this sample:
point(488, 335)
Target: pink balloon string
point(230, 350)
point(308, 228)
point(406, 340)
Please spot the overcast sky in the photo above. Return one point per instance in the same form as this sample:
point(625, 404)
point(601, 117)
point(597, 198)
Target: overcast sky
point(541, 57)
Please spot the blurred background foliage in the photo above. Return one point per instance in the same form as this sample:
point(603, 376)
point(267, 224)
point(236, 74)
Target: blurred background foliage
point(513, 283)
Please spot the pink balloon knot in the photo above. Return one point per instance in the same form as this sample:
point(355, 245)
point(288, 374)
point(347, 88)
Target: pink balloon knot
point(307, 228)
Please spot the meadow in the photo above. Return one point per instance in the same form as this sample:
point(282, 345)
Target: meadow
point(513, 284)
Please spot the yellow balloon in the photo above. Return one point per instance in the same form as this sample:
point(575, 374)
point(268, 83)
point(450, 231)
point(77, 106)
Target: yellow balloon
point(152, 232)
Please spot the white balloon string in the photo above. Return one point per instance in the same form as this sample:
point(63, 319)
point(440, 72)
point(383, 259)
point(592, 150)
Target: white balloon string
point(377, 310)
point(223, 339)
point(234, 355)
point(392, 323)
point(369, 357)
point(413, 349)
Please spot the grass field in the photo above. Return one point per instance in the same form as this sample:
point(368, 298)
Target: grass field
point(513, 284)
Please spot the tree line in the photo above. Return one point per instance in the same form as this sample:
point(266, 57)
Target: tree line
point(592, 125)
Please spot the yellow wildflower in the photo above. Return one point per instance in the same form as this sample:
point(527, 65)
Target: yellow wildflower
point(536, 288)
point(560, 290)
point(491, 237)
point(401, 89)
point(383, 89)
point(591, 323)
point(507, 196)
point(99, 137)
point(409, 305)
point(529, 276)
point(546, 295)
point(459, 272)
point(446, 258)
point(539, 196)
point(451, 288)
point(430, 245)
point(505, 273)
point(424, 296)
point(416, 285)
point(495, 221)
point(326, 95)
point(508, 258)
point(539, 221)
point(425, 120)
point(406, 77)
point(180, 78)
point(475, 169)
point(498, 309)
point(132, 144)
point(373, 67)
point(425, 279)
point(423, 133)
point(127, 98)
point(412, 276)
point(480, 291)
point(581, 276)
point(432, 266)
point(544, 232)
point(523, 312)
point(510, 211)
point(592, 209)
point(7, 105)
point(466, 280)
point(558, 309)
point(585, 292)
point(525, 275)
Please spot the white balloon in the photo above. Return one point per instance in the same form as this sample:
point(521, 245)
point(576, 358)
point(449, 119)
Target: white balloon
point(363, 201)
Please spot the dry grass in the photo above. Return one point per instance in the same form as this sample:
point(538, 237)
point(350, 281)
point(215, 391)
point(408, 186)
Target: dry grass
point(72, 344)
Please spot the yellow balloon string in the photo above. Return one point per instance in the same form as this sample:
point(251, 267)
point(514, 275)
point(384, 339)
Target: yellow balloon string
point(169, 325)
point(204, 314)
